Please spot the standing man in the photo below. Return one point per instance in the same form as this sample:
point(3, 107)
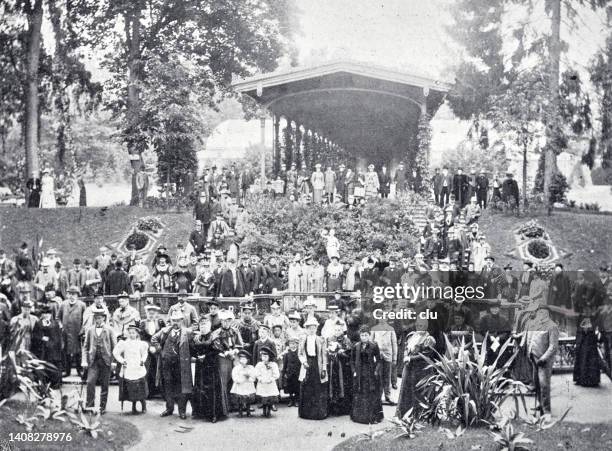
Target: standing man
point(386, 339)
point(21, 327)
point(400, 178)
point(101, 263)
point(436, 184)
point(510, 193)
point(330, 183)
point(197, 239)
point(99, 343)
point(118, 281)
point(341, 183)
point(385, 182)
point(447, 186)
point(542, 344)
point(172, 344)
point(482, 189)
point(205, 210)
point(460, 187)
point(47, 344)
point(124, 316)
point(190, 315)
point(71, 319)
point(24, 265)
point(93, 280)
point(76, 276)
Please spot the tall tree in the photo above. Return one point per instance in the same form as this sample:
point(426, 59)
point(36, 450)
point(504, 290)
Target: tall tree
point(219, 38)
point(601, 76)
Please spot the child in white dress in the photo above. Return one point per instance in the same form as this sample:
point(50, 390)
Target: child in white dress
point(243, 387)
point(267, 374)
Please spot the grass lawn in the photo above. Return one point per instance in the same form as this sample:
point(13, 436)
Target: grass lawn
point(563, 436)
point(587, 237)
point(117, 434)
point(79, 232)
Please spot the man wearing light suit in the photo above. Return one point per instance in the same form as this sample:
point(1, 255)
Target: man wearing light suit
point(542, 343)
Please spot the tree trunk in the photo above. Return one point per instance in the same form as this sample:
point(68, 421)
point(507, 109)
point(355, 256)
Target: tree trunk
point(35, 16)
point(132, 35)
point(550, 167)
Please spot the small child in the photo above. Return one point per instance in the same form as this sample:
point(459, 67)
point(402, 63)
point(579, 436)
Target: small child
point(291, 372)
point(243, 387)
point(267, 373)
point(263, 340)
point(278, 337)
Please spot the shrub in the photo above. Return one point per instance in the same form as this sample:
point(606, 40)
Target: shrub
point(602, 176)
point(463, 388)
point(538, 249)
point(281, 228)
point(138, 239)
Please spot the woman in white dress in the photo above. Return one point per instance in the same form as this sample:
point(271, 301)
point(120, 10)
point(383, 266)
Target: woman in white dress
point(47, 195)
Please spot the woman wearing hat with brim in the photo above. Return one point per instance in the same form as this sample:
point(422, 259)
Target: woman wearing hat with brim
point(210, 399)
point(267, 373)
point(132, 354)
point(314, 396)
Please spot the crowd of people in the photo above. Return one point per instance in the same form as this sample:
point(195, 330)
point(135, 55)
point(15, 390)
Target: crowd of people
point(328, 358)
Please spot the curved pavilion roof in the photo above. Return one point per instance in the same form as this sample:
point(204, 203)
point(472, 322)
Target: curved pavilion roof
point(358, 106)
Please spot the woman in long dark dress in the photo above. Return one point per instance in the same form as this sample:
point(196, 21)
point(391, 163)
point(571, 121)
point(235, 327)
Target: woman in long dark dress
point(210, 400)
point(313, 374)
point(340, 375)
point(418, 342)
point(366, 365)
point(587, 299)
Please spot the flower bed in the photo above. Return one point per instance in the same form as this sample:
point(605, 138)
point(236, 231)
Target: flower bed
point(149, 224)
point(532, 230)
point(538, 249)
point(138, 239)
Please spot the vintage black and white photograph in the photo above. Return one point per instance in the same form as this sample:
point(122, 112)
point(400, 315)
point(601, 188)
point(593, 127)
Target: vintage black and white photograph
point(343, 225)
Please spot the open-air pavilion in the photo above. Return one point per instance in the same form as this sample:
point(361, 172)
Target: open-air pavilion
point(345, 111)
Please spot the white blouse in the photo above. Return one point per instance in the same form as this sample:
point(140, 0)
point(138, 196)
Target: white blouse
point(135, 353)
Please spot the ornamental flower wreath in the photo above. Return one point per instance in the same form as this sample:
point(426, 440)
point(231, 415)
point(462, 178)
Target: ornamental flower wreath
point(138, 239)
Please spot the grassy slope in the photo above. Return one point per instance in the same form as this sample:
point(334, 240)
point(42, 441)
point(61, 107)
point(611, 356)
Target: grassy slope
point(562, 437)
point(117, 434)
point(80, 232)
point(587, 237)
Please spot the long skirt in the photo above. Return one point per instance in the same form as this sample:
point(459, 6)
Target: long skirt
point(521, 367)
point(367, 405)
point(587, 370)
point(340, 389)
point(133, 390)
point(414, 371)
point(313, 394)
point(317, 195)
point(209, 392)
point(226, 365)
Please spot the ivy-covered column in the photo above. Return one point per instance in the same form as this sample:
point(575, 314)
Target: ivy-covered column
point(298, 156)
point(288, 143)
point(424, 146)
point(277, 145)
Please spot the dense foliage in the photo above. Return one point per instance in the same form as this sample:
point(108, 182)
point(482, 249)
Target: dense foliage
point(281, 228)
point(463, 388)
point(538, 249)
point(138, 239)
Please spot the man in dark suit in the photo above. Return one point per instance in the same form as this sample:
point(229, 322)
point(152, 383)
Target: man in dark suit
point(510, 192)
point(118, 281)
point(436, 182)
point(232, 282)
point(384, 179)
point(460, 188)
point(482, 189)
point(205, 210)
point(446, 187)
point(97, 355)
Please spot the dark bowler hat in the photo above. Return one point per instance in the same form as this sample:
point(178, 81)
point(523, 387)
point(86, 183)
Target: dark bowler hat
point(213, 301)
